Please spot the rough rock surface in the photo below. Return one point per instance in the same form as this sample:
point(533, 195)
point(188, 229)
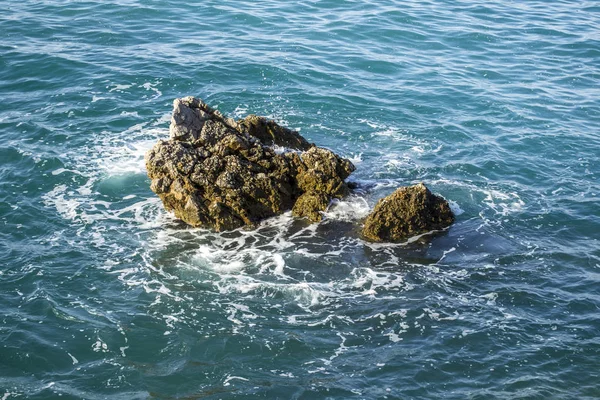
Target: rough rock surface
point(407, 212)
point(217, 173)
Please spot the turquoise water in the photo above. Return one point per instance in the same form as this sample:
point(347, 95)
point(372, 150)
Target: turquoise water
point(494, 105)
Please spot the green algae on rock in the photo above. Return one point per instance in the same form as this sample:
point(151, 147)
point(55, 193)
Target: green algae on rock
point(409, 211)
point(217, 173)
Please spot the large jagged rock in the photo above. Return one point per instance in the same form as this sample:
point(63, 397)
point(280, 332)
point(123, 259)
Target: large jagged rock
point(217, 173)
point(409, 211)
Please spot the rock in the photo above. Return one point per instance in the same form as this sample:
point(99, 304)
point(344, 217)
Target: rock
point(217, 173)
point(409, 211)
point(270, 133)
point(310, 205)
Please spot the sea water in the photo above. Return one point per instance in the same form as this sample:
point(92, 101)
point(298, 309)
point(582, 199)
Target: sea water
point(494, 105)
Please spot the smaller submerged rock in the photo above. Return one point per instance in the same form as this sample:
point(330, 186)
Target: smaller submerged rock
point(409, 211)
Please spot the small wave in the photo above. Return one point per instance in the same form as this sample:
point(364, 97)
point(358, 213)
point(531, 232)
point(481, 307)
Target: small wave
point(349, 209)
point(455, 208)
point(502, 201)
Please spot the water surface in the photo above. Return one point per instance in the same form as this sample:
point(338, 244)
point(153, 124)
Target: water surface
point(494, 106)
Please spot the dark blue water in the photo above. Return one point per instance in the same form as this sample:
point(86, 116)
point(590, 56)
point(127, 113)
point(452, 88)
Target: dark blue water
point(493, 105)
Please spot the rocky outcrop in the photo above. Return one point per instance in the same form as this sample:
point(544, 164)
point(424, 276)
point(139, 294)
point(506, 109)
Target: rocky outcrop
point(218, 173)
point(223, 174)
point(409, 211)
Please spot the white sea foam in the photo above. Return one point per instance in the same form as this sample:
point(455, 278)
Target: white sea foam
point(340, 350)
point(414, 144)
point(240, 111)
point(455, 208)
point(446, 252)
point(120, 87)
point(59, 171)
point(356, 158)
point(152, 87)
point(502, 201)
point(393, 336)
point(230, 378)
point(100, 346)
point(350, 209)
point(127, 158)
point(67, 208)
point(75, 361)
point(399, 163)
point(490, 297)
